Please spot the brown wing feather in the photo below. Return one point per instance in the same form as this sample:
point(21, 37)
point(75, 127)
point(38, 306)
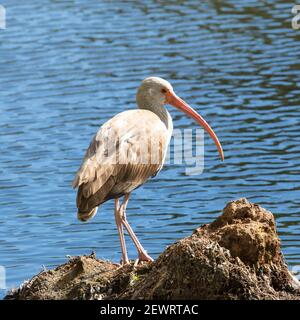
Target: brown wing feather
point(126, 151)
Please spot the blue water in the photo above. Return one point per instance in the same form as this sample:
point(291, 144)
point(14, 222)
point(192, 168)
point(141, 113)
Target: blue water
point(68, 66)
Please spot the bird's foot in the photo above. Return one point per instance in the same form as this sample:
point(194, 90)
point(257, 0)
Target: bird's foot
point(143, 256)
point(124, 262)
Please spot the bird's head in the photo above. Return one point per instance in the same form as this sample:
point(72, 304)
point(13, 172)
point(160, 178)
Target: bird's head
point(152, 92)
point(155, 92)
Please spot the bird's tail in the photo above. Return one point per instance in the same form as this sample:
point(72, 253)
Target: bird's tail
point(85, 216)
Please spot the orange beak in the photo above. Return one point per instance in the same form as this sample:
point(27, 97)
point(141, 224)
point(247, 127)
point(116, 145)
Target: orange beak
point(175, 101)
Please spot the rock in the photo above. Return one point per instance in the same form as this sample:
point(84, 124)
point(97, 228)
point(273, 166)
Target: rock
point(237, 256)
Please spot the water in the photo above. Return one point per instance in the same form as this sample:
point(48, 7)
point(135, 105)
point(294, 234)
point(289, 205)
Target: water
point(68, 66)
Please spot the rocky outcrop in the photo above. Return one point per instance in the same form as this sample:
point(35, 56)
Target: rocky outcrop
point(238, 256)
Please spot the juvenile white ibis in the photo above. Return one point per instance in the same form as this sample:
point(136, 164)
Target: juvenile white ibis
point(112, 166)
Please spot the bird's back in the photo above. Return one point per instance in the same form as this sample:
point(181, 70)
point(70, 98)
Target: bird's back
point(125, 152)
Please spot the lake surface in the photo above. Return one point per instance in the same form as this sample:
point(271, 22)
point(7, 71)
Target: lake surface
point(68, 66)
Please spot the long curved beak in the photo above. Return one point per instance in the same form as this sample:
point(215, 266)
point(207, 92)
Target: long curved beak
point(175, 101)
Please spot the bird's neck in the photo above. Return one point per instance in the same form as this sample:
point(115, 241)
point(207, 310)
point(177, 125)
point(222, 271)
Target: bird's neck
point(161, 112)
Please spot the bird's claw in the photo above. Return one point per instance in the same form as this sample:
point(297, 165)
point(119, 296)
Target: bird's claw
point(124, 263)
point(142, 257)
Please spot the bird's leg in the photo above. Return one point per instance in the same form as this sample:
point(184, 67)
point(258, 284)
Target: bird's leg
point(143, 255)
point(118, 219)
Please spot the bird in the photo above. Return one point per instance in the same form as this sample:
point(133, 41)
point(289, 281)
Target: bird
point(126, 151)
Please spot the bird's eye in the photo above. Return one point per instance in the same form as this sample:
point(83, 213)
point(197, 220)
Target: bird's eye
point(163, 90)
